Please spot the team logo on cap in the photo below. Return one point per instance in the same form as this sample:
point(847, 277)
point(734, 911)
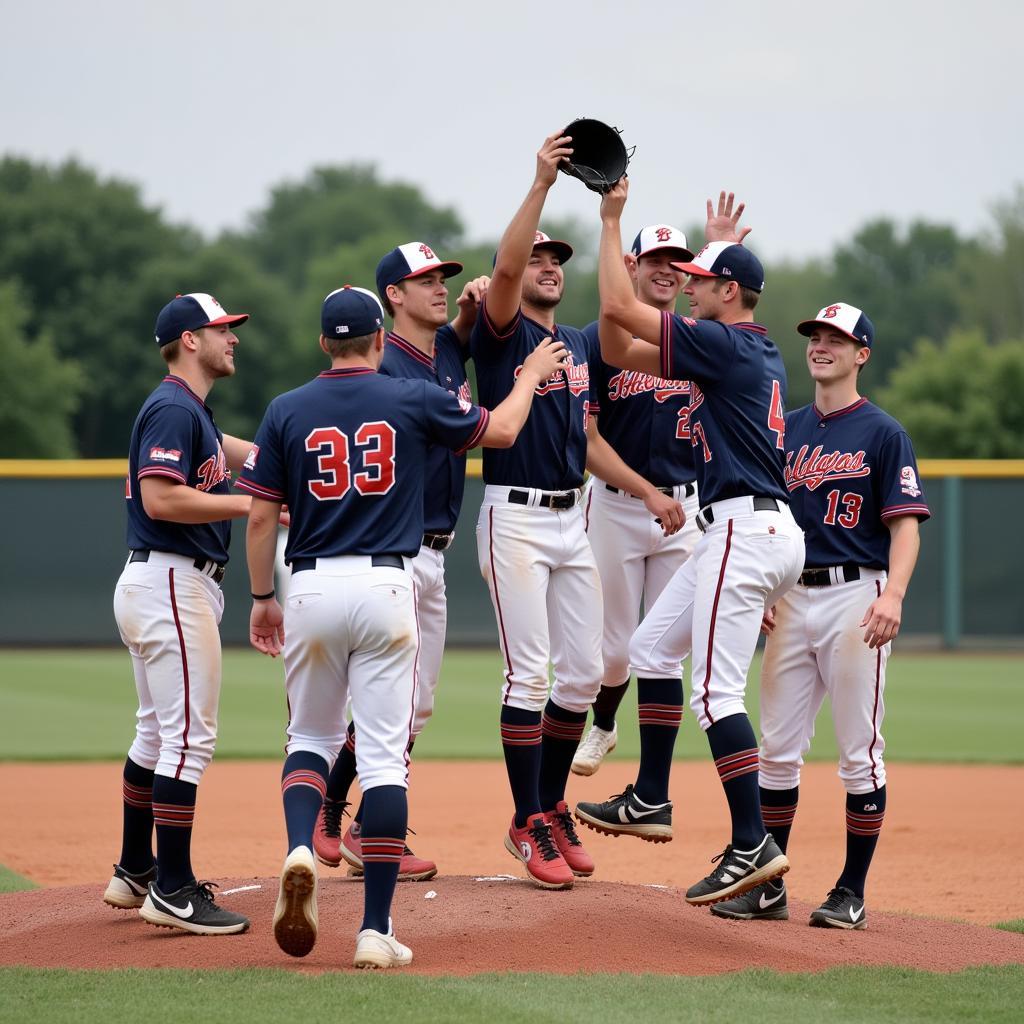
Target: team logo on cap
point(664, 234)
point(539, 236)
point(428, 253)
point(830, 312)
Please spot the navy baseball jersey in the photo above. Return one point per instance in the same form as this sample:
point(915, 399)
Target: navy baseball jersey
point(445, 470)
point(645, 419)
point(737, 404)
point(175, 436)
point(551, 450)
point(848, 473)
point(347, 453)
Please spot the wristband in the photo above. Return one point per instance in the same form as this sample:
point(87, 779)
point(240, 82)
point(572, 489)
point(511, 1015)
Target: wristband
point(262, 597)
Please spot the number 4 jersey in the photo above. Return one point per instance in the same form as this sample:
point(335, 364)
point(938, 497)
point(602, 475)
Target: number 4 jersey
point(347, 451)
point(848, 473)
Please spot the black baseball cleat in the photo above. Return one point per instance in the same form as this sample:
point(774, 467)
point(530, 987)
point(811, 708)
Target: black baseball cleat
point(192, 909)
point(127, 891)
point(738, 872)
point(841, 909)
point(627, 815)
point(765, 902)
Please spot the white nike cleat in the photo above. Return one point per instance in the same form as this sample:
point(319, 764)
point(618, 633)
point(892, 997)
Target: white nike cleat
point(842, 909)
point(627, 815)
point(295, 916)
point(375, 950)
point(191, 909)
point(596, 746)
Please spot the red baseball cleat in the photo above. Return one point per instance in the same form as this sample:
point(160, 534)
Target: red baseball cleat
point(534, 845)
point(327, 832)
point(563, 829)
point(410, 869)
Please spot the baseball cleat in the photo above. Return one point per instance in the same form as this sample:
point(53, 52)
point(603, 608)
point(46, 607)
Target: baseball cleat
point(295, 916)
point(738, 872)
point(765, 902)
point(534, 845)
point(597, 745)
point(327, 832)
point(842, 909)
point(563, 830)
point(127, 891)
point(191, 909)
point(410, 869)
point(627, 815)
point(374, 950)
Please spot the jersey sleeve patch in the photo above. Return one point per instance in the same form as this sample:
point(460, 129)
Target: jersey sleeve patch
point(908, 482)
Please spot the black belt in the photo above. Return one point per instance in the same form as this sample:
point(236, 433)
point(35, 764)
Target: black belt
point(690, 490)
point(438, 541)
point(377, 561)
point(761, 504)
point(823, 577)
point(558, 500)
point(202, 564)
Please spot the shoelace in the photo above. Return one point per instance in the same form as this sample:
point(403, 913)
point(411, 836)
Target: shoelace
point(204, 890)
point(626, 794)
point(333, 810)
point(724, 858)
point(835, 899)
point(544, 841)
point(564, 819)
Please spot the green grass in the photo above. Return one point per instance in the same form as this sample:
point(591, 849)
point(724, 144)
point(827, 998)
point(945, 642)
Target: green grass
point(1012, 926)
point(842, 996)
point(11, 881)
point(79, 704)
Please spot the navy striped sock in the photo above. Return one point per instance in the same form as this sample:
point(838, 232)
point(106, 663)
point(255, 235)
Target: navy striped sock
point(174, 810)
point(343, 774)
point(137, 829)
point(606, 704)
point(865, 813)
point(385, 822)
point(520, 743)
point(561, 732)
point(303, 783)
point(660, 710)
point(778, 809)
point(734, 748)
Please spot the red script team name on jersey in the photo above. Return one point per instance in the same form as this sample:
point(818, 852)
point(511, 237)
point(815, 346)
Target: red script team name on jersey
point(629, 383)
point(213, 471)
point(577, 377)
point(812, 469)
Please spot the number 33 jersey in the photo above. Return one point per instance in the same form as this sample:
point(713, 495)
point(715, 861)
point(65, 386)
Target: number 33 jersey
point(848, 473)
point(347, 452)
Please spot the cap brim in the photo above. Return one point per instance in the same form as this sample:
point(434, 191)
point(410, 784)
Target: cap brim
point(563, 250)
point(806, 328)
point(685, 253)
point(449, 269)
point(228, 318)
point(692, 268)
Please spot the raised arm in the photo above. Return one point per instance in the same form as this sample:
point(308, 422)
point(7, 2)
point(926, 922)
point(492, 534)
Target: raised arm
point(507, 419)
point(506, 289)
point(619, 305)
point(469, 307)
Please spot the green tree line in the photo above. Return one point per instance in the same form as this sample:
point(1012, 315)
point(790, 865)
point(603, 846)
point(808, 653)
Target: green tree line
point(85, 265)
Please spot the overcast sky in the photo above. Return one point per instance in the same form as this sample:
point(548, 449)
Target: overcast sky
point(819, 115)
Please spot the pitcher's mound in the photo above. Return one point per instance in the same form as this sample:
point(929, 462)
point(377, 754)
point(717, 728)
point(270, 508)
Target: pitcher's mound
point(460, 925)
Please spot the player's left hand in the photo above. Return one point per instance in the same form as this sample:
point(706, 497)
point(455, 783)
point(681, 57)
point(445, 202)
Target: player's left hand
point(473, 294)
point(768, 621)
point(882, 620)
point(284, 517)
point(667, 511)
point(723, 224)
point(266, 627)
point(613, 202)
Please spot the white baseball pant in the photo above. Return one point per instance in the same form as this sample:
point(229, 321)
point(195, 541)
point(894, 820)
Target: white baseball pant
point(351, 631)
point(168, 613)
point(818, 648)
point(432, 608)
point(714, 604)
point(546, 593)
point(635, 560)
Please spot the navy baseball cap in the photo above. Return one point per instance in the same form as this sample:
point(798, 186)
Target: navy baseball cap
point(729, 260)
point(656, 237)
point(844, 318)
point(411, 260)
point(563, 250)
point(190, 313)
point(352, 311)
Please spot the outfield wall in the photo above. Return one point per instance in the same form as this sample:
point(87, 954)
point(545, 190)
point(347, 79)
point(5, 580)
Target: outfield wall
point(62, 548)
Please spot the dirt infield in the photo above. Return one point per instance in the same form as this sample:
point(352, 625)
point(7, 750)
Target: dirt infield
point(950, 849)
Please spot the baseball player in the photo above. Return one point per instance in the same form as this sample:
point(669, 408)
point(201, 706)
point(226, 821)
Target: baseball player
point(347, 452)
point(751, 550)
point(411, 281)
point(645, 421)
point(531, 541)
point(168, 604)
point(855, 490)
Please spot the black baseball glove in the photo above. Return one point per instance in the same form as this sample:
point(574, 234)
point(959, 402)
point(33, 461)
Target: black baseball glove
point(599, 156)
